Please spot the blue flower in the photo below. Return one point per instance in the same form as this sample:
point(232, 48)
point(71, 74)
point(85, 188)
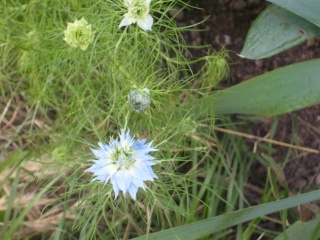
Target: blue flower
point(126, 162)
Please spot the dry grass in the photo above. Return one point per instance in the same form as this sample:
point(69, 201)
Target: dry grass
point(46, 213)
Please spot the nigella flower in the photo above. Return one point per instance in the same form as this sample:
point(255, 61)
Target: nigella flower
point(138, 12)
point(79, 34)
point(139, 99)
point(125, 162)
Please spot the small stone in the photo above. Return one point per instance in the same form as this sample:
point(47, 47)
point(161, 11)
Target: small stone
point(224, 2)
point(311, 43)
point(196, 39)
point(227, 39)
point(317, 180)
point(258, 63)
point(238, 5)
point(217, 39)
point(300, 183)
point(253, 2)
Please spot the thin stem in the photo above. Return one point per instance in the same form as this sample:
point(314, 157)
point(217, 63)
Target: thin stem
point(310, 150)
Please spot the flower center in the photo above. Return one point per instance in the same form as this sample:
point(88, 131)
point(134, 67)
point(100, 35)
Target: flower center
point(123, 158)
point(82, 35)
point(79, 34)
point(138, 9)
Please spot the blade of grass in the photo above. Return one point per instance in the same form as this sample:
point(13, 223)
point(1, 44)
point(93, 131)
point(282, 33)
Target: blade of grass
point(302, 230)
point(17, 222)
point(206, 227)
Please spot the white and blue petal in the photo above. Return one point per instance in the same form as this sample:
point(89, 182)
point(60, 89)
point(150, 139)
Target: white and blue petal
point(115, 187)
point(125, 162)
point(126, 21)
point(133, 191)
point(145, 22)
point(138, 12)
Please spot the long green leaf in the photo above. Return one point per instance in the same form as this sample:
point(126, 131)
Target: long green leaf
point(301, 230)
point(211, 225)
point(276, 30)
point(279, 91)
point(308, 9)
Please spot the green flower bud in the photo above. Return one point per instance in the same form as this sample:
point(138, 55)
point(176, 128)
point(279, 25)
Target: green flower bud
point(79, 34)
point(139, 99)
